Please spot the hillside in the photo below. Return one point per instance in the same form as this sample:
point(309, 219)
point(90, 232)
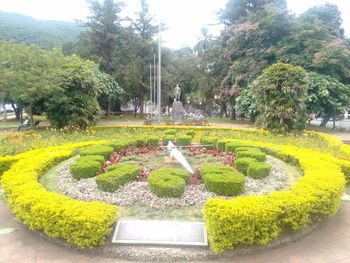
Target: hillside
point(44, 33)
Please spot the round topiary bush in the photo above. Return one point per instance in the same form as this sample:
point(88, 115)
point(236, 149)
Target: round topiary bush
point(153, 141)
point(184, 140)
point(168, 182)
point(116, 177)
point(211, 141)
point(170, 132)
point(231, 146)
point(222, 180)
point(256, 154)
point(242, 149)
point(85, 169)
point(87, 158)
point(168, 138)
point(103, 150)
point(242, 164)
point(258, 170)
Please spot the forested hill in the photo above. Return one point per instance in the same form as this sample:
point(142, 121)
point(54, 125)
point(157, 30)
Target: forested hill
point(44, 33)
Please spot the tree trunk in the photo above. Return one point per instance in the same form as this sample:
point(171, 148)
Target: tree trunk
point(324, 121)
point(233, 104)
point(30, 112)
point(109, 107)
point(142, 98)
point(17, 112)
point(252, 118)
point(4, 117)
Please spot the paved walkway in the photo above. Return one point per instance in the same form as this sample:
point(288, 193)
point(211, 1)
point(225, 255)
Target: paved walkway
point(329, 242)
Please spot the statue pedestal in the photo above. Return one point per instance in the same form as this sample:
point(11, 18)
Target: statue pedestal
point(178, 111)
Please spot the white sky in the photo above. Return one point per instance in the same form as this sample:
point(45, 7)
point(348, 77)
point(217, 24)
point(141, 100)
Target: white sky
point(184, 18)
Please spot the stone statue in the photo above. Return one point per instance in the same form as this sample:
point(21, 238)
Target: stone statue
point(177, 92)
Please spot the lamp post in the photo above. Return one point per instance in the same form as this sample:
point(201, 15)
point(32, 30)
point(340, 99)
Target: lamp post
point(159, 75)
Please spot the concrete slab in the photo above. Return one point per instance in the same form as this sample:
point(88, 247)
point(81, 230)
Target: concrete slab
point(171, 233)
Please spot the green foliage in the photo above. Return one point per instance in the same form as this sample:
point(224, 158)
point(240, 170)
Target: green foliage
point(222, 180)
point(246, 148)
point(85, 224)
point(326, 96)
point(170, 132)
point(168, 182)
point(97, 158)
point(283, 86)
point(168, 138)
point(231, 146)
point(183, 140)
point(153, 141)
point(242, 164)
point(191, 133)
point(120, 144)
point(85, 169)
point(105, 151)
point(117, 176)
point(212, 142)
point(258, 170)
point(255, 154)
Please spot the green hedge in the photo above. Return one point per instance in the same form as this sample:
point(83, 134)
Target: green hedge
point(191, 133)
point(170, 132)
point(153, 141)
point(167, 182)
point(103, 150)
point(85, 224)
point(222, 180)
point(259, 219)
point(183, 140)
point(211, 141)
point(256, 154)
point(258, 170)
point(231, 146)
point(120, 144)
point(115, 178)
point(168, 138)
point(243, 149)
point(88, 158)
point(85, 169)
point(242, 164)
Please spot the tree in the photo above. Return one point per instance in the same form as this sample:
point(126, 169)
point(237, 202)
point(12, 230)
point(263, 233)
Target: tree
point(327, 97)
point(76, 103)
point(29, 74)
point(280, 97)
point(246, 102)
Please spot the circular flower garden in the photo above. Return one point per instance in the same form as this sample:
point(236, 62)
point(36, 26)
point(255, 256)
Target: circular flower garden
point(245, 191)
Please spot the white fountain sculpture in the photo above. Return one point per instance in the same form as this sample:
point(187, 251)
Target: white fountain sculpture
point(174, 152)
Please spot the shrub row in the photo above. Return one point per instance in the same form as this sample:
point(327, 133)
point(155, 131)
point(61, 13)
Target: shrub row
point(168, 182)
point(211, 142)
point(81, 223)
point(222, 180)
point(103, 150)
point(116, 176)
point(258, 219)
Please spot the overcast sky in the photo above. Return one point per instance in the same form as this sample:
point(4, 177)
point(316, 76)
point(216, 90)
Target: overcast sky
point(184, 18)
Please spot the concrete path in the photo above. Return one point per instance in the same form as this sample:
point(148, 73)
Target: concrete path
point(329, 242)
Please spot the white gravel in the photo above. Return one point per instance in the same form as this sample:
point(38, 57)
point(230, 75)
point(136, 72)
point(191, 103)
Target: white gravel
point(138, 194)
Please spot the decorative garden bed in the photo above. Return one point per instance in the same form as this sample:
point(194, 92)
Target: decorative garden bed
point(244, 220)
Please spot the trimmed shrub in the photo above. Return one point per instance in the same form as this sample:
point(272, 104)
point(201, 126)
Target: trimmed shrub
point(222, 180)
point(170, 132)
point(221, 145)
point(258, 170)
point(191, 133)
point(242, 149)
point(183, 140)
point(103, 150)
point(120, 174)
point(88, 158)
point(120, 144)
point(231, 146)
point(167, 182)
point(153, 141)
point(85, 169)
point(258, 155)
point(242, 164)
point(168, 138)
point(211, 141)
point(85, 224)
point(141, 142)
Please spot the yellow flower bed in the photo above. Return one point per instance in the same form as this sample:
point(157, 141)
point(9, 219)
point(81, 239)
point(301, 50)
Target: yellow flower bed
point(81, 223)
point(259, 219)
